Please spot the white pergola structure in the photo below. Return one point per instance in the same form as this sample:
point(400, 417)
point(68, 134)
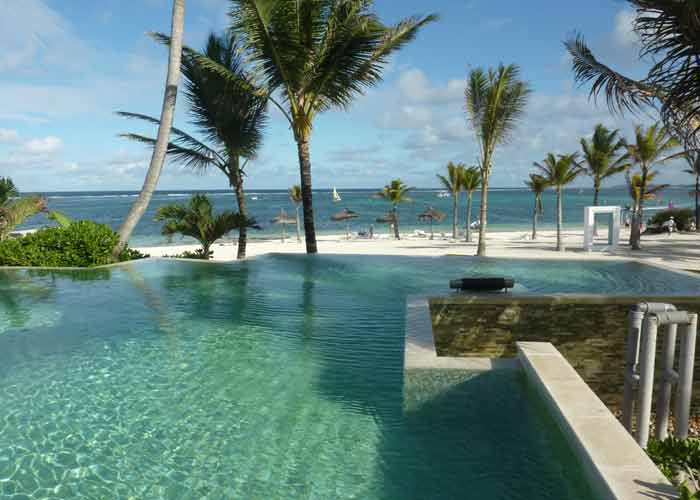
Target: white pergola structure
point(615, 214)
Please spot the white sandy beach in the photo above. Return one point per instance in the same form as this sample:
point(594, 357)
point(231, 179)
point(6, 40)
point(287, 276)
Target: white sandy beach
point(680, 251)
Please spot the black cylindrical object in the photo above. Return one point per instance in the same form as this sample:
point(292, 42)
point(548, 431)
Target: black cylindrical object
point(482, 284)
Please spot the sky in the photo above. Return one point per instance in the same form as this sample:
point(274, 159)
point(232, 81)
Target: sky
point(67, 65)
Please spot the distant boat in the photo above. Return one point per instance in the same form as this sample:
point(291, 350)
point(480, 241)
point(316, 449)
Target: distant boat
point(254, 198)
point(443, 194)
point(336, 197)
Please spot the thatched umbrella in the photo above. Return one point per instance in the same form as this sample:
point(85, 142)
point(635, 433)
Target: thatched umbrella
point(283, 219)
point(387, 218)
point(345, 215)
point(432, 214)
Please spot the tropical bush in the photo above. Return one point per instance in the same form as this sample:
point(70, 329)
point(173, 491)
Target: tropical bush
point(196, 255)
point(679, 461)
point(79, 244)
point(683, 216)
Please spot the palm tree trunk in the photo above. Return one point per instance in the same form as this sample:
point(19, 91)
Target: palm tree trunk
point(481, 250)
point(167, 116)
point(636, 233)
point(205, 250)
point(395, 213)
point(237, 184)
point(467, 226)
point(560, 222)
point(596, 195)
point(298, 224)
point(534, 220)
point(455, 208)
point(431, 229)
point(307, 195)
point(697, 203)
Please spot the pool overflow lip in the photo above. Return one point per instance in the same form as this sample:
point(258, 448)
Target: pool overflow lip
point(616, 467)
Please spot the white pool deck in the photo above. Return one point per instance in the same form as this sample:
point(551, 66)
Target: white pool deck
point(615, 465)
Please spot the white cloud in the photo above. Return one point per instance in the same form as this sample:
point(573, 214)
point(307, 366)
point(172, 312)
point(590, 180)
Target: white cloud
point(415, 87)
point(8, 136)
point(624, 33)
point(43, 146)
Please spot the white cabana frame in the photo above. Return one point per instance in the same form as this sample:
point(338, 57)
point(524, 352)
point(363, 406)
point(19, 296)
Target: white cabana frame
point(615, 214)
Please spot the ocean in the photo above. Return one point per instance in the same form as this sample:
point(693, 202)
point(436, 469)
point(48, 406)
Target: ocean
point(508, 209)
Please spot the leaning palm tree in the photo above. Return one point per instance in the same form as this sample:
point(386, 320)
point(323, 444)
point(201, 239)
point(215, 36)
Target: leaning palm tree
point(395, 193)
point(559, 171)
point(229, 118)
point(318, 55)
point(471, 181)
point(198, 220)
point(15, 209)
point(604, 156)
point(652, 145)
point(295, 197)
point(537, 185)
point(167, 116)
point(693, 159)
point(453, 183)
point(495, 101)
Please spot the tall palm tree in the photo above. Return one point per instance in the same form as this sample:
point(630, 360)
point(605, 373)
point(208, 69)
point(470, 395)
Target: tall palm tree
point(296, 198)
point(693, 159)
point(318, 55)
point(230, 118)
point(559, 171)
point(198, 220)
point(453, 183)
point(395, 193)
point(605, 155)
point(495, 101)
point(167, 117)
point(537, 185)
point(652, 145)
point(15, 209)
point(471, 181)
point(640, 189)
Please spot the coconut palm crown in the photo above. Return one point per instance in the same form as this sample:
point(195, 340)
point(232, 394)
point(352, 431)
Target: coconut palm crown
point(312, 56)
point(537, 184)
point(604, 156)
point(395, 193)
point(471, 181)
point(495, 102)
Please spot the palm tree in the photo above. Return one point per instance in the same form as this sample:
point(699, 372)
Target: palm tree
point(537, 185)
point(640, 189)
point(319, 55)
point(604, 156)
point(230, 118)
point(559, 172)
point(295, 197)
point(15, 209)
point(198, 220)
point(693, 159)
point(167, 116)
point(395, 193)
point(652, 145)
point(471, 181)
point(495, 101)
point(453, 183)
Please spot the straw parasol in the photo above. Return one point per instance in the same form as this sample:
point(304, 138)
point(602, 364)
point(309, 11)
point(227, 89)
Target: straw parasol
point(345, 215)
point(432, 214)
point(284, 219)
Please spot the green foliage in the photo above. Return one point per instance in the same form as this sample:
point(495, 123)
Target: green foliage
point(471, 179)
point(453, 181)
point(295, 194)
point(7, 190)
point(537, 185)
point(82, 244)
point(62, 219)
point(395, 193)
point(196, 255)
point(132, 254)
point(13, 213)
point(604, 155)
point(558, 171)
point(674, 455)
point(683, 217)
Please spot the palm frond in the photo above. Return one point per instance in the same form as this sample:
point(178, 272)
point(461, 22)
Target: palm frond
point(7, 190)
point(15, 212)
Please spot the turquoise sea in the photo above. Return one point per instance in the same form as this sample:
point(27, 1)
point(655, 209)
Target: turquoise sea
point(509, 209)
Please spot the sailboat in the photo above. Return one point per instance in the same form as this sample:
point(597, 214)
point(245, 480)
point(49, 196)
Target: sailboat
point(336, 197)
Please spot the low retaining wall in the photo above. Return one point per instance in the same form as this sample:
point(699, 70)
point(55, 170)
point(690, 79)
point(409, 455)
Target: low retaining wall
point(589, 330)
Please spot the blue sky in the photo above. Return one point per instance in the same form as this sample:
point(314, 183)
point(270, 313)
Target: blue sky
point(67, 65)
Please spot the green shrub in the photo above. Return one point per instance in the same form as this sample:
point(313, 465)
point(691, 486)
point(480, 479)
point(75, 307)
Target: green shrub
point(79, 244)
point(679, 461)
point(132, 254)
point(683, 217)
point(196, 255)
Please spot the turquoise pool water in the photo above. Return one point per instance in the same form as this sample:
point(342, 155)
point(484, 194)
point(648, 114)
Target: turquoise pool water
point(277, 378)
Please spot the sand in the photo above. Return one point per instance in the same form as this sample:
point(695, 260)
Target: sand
point(680, 251)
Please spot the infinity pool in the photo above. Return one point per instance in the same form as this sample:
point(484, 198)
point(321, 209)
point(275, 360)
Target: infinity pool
point(277, 378)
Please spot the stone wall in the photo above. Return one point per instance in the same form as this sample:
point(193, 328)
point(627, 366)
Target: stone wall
point(590, 331)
